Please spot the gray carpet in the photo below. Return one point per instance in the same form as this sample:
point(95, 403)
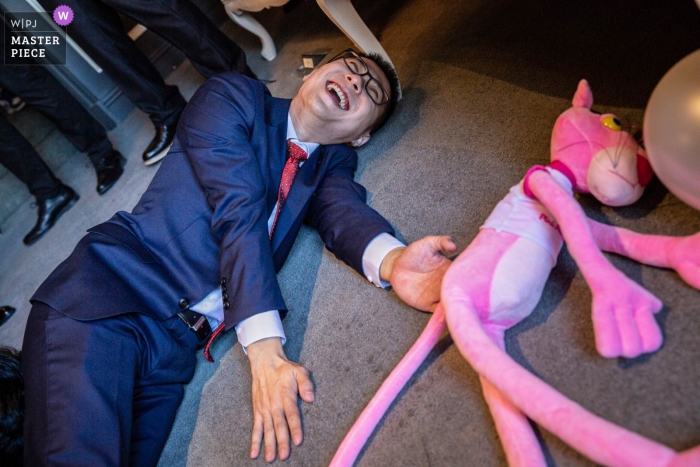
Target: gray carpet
point(483, 84)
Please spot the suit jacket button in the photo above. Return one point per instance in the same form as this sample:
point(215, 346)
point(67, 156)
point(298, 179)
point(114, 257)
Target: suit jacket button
point(183, 303)
point(223, 281)
point(224, 297)
point(226, 305)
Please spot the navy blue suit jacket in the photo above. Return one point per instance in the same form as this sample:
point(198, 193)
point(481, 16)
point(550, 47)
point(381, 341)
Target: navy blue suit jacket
point(204, 216)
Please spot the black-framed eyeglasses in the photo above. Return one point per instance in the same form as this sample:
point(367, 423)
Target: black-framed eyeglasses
point(357, 66)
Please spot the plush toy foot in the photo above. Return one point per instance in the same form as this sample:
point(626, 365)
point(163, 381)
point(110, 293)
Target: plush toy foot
point(685, 259)
point(689, 458)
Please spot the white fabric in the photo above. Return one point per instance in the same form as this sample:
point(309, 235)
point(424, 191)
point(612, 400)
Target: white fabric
point(518, 281)
point(521, 215)
point(268, 324)
point(212, 307)
point(292, 134)
point(258, 327)
point(374, 254)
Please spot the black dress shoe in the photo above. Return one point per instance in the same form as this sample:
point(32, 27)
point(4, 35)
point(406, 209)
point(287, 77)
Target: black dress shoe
point(49, 212)
point(109, 170)
point(160, 144)
point(5, 313)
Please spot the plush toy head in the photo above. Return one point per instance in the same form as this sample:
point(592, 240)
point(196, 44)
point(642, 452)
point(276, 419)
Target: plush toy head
point(605, 160)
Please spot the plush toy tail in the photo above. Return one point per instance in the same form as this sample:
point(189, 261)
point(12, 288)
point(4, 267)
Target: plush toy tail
point(689, 458)
point(600, 440)
point(517, 437)
point(364, 426)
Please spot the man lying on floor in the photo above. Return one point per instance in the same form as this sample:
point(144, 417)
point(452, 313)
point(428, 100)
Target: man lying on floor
point(113, 331)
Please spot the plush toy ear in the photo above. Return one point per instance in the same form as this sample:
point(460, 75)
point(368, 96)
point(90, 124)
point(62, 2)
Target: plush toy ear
point(583, 96)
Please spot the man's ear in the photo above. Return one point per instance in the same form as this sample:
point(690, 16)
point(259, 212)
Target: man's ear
point(360, 140)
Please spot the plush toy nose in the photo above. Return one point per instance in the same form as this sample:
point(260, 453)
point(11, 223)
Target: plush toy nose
point(644, 170)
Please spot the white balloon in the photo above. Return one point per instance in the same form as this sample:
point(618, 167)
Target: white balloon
point(672, 129)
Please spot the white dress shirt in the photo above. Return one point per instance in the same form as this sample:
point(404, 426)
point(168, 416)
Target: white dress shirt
point(268, 324)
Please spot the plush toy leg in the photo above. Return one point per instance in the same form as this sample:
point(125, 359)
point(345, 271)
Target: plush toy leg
point(679, 253)
point(689, 458)
point(364, 426)
point(519, 442)
point(594, 437)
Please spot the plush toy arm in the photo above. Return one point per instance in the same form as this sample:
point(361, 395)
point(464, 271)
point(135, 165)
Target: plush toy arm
point(603, 442)
point(623, 311)
point(679, 253)
point(364, 426)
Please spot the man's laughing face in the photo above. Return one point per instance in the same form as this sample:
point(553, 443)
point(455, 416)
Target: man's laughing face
point(339, 103)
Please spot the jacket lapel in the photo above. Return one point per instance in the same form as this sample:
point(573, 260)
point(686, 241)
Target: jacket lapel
point(276, 127)
point(303, 187)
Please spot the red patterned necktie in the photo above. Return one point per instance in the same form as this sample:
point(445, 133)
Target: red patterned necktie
point(295, 156)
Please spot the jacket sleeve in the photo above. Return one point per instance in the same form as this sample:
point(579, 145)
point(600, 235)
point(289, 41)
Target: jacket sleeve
point(216, 132)
point(339, 210)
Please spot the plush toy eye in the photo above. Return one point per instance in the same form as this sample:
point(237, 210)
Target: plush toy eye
point(611, 122)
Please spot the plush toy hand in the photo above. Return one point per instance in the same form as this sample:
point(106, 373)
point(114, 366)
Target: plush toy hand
point(416, 272)
point(684, 257)
point(623, 317)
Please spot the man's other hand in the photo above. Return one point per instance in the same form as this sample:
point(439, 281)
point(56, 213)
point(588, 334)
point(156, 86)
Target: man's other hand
point(276, 383)
point(416, 272)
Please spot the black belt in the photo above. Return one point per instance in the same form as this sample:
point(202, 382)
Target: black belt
point(197, 323)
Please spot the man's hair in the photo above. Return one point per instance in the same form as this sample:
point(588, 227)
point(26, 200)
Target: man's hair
point(11, 407)
point(394, 87)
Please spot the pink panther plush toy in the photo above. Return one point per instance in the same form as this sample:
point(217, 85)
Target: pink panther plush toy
point(498, 280)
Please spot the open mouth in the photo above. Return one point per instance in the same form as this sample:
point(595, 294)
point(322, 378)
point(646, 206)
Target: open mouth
point(338, 95)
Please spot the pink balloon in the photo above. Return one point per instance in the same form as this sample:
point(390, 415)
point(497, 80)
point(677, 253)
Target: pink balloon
point(672, 129)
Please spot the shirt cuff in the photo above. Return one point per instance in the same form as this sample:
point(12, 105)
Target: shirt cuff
point(374, 255)
point(258, 327)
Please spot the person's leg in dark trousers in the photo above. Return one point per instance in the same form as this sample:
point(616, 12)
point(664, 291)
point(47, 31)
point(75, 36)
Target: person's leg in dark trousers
point(102, 392)
point(184, 25)
point(53, 198)
point(20, 158)
point(99, 31)
point(38, 88)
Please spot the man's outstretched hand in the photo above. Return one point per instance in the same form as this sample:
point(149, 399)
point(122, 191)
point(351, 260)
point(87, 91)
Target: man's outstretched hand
point(416, 272)
point(276, 384)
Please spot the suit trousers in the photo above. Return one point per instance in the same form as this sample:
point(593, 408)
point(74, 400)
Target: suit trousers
point(102, 392)
point(99, 31)
point(38, 88)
